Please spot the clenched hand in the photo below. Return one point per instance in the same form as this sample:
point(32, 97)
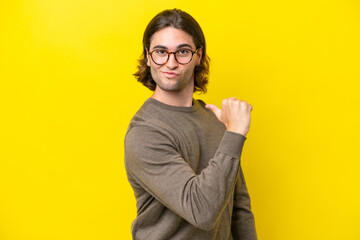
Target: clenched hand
point(234, 114)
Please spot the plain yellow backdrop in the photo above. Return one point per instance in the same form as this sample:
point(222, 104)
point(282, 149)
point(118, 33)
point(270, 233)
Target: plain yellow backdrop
point(67, 95)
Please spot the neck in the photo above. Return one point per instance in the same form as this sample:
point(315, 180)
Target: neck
point(181, 98)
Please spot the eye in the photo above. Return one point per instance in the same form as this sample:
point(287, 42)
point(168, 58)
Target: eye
point(160, 52)
point(184, 51)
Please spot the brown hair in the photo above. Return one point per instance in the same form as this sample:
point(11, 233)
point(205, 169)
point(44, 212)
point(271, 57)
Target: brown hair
point(183, 21)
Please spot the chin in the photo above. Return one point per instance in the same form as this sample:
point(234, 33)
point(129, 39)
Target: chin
point(171, 89)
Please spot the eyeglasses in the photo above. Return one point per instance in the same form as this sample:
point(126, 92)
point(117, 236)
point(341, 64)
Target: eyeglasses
point(182, 56)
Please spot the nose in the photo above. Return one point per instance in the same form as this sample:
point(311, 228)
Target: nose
point(172, 63)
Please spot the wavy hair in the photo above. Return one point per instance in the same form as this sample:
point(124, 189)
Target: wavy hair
point(181, 20)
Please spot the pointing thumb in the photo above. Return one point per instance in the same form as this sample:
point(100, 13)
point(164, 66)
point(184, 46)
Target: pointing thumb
point(215, 110)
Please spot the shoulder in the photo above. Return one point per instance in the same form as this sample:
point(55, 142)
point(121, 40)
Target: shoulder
point(145, 136)
point(145, 133)
point(146, 119)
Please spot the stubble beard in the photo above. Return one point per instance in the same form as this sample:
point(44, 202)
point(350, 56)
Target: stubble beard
point(172, 85)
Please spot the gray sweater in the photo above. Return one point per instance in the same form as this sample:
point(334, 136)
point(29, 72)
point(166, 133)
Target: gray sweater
point(185, 171)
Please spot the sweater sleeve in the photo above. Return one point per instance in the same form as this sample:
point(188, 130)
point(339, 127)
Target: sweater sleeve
point(243, 224)
point(153, 162)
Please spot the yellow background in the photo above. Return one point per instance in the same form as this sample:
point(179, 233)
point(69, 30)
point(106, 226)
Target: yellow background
point(67, 95)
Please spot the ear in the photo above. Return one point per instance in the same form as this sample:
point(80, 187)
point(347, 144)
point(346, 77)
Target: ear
point(199, 54)
point(147, 57)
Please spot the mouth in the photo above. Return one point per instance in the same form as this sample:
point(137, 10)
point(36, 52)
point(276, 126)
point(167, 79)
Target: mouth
point(170, 74)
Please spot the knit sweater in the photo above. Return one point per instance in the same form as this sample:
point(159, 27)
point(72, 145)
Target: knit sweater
point(184, 168)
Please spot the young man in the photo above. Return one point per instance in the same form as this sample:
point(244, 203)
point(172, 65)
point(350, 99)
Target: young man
point(182, 157)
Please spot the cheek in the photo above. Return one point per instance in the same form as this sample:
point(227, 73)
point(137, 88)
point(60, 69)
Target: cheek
point(154, 73)
point(189, 71)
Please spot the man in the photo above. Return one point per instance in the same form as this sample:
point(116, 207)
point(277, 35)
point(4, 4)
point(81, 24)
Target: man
point(182, 157)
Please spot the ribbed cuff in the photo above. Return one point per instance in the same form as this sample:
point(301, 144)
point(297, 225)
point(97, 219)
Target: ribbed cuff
point(232, 144)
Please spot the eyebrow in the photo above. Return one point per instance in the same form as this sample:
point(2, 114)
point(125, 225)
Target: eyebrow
point(179, 46)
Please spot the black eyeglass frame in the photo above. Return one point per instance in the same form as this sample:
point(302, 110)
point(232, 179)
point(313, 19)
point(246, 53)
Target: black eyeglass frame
point(169, 53)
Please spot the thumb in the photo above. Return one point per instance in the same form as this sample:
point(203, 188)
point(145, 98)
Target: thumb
point(215, 110)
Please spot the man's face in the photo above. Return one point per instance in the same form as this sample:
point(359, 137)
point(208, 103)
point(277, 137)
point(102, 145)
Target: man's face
point(173, 76)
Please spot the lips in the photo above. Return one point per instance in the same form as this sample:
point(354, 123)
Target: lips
point(170, 74)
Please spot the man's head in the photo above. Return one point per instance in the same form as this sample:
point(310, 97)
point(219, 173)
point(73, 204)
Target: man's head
point(183, 29)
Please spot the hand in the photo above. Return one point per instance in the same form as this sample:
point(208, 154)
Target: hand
point(234, 114)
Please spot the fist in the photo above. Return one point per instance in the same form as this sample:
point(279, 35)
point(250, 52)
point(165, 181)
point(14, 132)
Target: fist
point(234, 114)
